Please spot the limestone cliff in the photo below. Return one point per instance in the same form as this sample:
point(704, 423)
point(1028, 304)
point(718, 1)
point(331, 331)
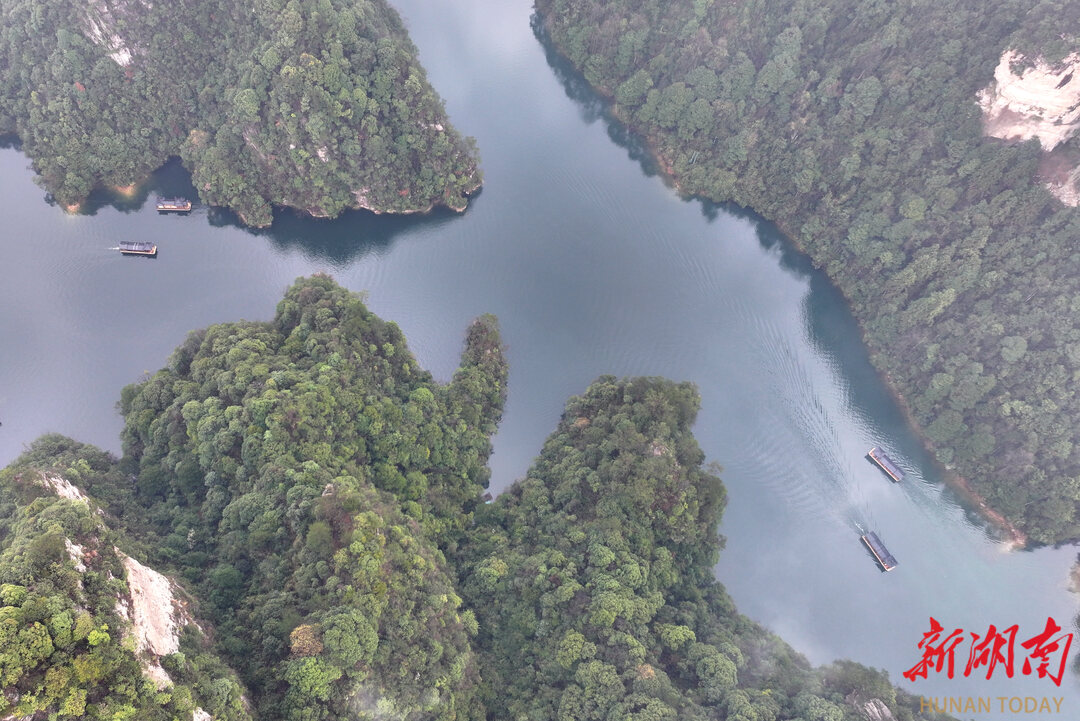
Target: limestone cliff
point(151, 605)
point(101, 627)
point(156, 614)
point(101, 25)
point(1033, 99)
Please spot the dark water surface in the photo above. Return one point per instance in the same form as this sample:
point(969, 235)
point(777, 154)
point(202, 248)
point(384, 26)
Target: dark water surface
point(593, 266)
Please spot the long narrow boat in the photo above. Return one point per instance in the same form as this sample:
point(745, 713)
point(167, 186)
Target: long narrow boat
point(885, 463)
point(129, 247)
point(884, 558)
point(176, 205)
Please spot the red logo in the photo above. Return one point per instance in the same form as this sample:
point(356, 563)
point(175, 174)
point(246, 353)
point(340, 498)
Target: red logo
point(1047, 652)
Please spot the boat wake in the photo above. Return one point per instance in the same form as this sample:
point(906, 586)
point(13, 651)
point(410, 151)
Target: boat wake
point(808, 426)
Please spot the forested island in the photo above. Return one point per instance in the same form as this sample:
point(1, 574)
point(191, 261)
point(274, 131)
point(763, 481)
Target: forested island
point(319, 105)
point(313, 498)
point(857, 127)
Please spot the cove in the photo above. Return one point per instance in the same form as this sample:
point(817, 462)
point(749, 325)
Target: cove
point(593, 266)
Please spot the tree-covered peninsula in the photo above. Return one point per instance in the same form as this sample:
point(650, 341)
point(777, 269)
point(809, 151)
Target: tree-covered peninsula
point(592, 583)
point(320, 105)
point(314, 499)
point(856, 126)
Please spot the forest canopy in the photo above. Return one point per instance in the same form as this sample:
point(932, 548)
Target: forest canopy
point(854, 126)
point(319, 105)
point(319, 498)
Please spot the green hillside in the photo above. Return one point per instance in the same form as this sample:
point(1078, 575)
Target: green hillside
point(319, 105)
point(318, 496)
point(68, 615)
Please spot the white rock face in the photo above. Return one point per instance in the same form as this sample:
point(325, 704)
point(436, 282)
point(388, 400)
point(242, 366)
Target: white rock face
point(156, 617)
point(62, 487)
point(76, 552)
point(99, 23)
point(1067, 189)
point(876, 710)
point(870, 709)
point(1042, 102)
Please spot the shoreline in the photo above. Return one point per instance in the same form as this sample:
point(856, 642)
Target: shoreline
point(131, 190)
point(1014, 538)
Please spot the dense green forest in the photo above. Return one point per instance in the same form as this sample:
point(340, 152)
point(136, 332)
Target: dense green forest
point(319, 105)
point(318, 496)
point(67, 646)
point(854, 126)
point(305, 476)
point(592, 584)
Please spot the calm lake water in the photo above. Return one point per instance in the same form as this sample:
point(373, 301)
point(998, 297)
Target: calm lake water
point(593, 266)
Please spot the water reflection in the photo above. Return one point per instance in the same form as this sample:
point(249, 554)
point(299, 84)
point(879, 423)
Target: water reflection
point(830, 328)
point(335, 242)
point(354, 234)
point(592, 106)
point(592, 268)
point(799, 484)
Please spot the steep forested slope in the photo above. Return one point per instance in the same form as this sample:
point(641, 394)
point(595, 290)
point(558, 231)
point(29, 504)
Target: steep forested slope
point(304, 474)
point(592, 582)
point(320, 496)
point(315, 104)
point(73, 642)
point(855, 126)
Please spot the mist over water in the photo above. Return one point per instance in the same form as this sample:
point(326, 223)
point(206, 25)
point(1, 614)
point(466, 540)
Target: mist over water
point(593, 266)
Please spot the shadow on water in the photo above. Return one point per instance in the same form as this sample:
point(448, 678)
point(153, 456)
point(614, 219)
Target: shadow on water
point(337, 241)
point(831, 327)
point(593, 107)
point(835, 334)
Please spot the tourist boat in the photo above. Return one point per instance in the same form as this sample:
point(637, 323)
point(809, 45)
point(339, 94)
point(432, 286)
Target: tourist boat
point(884, 558)
point(177, 205)
point(884, 463)
point(128, 247)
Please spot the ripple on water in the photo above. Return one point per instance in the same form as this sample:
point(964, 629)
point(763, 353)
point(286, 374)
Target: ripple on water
point(607, 206)
point(86, 249)
point(700, 273)
point(769, 458)
point(810, 429)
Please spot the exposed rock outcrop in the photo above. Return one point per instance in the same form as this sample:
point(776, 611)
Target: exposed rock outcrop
point(75, 552)
point(1060, 172)
point(62, 487)
point(873, 709)
point(1032, 99)
point(100, 23)
point(156, 616)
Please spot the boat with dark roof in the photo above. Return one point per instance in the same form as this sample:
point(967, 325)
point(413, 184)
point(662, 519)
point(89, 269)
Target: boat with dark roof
point(885, 463)
point(884, 558)
point(173, 205)
point(129, 247)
